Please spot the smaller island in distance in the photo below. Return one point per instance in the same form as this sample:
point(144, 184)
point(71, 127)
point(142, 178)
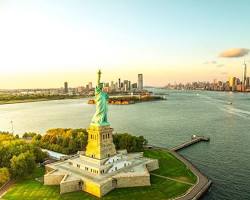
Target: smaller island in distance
point(131, 99)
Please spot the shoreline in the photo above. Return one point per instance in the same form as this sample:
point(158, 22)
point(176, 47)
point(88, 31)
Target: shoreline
point(38, 100)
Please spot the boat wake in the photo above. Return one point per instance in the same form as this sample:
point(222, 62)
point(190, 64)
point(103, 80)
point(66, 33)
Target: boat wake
point(236, 111)
point(227, 106)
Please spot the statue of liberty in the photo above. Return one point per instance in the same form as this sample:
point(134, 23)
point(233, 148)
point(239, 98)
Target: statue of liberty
point(101, 98)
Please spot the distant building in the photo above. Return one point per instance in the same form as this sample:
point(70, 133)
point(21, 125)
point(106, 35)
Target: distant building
point(66, 89)
point(245, 74)
point(112, 86)
point(119, 83)
point(140, 81)
point(129, 85)
point(232, 81)
point(80, 89)
point(134, 86)
point(248, 82)
point(90, 85)
point(125, 85)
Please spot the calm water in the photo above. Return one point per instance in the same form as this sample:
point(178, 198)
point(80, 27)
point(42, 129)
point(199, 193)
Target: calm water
point(226, 159)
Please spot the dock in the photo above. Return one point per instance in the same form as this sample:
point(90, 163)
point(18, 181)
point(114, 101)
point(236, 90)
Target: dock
point(194, 139)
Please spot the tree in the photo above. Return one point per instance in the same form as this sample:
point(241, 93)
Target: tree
point(39, 154)
point(129, 142)
point(29, 135)
point(37, 137)
point(4, 175)
point(23, 164)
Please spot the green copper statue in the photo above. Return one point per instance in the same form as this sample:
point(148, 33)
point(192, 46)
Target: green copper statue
point(101, 98)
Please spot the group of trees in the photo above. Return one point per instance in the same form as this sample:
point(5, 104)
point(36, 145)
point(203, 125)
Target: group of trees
point(130, 142)
point(18, 156)
point(66, 141)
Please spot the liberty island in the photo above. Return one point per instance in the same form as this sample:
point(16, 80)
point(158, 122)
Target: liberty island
point(100, 168)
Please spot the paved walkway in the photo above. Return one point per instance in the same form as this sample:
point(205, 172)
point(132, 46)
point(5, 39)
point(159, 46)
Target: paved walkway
point(172, 179)
point(5, 188)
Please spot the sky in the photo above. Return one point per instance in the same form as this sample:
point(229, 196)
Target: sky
point(46, 42)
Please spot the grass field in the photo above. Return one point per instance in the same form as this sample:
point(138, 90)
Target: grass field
point(170, 166)
point(161, 188)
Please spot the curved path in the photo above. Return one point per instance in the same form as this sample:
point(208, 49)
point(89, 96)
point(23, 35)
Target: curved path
point(202, 185)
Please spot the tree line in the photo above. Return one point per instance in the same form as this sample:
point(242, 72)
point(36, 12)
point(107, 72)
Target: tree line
point(69, 141)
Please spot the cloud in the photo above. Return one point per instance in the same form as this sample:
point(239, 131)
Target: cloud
point(213, 62)
point(233, 53)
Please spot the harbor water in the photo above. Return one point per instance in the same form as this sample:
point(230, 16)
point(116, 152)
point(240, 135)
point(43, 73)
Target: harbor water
point(224, 117)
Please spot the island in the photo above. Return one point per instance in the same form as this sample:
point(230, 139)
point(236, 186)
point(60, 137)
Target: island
point(131, 99)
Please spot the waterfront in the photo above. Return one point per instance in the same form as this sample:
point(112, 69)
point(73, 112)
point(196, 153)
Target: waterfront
point(225, 159)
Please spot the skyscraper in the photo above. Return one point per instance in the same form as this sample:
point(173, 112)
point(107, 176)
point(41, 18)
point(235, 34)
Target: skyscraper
point(140, 81)
point(66, 89)
point(129, 85)
point(248, 82)
point(119, 83)
point(125, 85)
point(232, 81)
point(245, 74)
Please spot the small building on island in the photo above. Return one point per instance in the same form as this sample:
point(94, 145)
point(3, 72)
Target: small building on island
point(100, 168)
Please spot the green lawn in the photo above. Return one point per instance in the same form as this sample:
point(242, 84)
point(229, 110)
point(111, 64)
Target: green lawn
point(170, 166)
point(29, 189)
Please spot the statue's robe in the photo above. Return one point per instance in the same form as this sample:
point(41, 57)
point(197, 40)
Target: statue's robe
point(100, 116)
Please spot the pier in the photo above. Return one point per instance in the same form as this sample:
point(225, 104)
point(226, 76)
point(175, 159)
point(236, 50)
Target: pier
point(194, 139)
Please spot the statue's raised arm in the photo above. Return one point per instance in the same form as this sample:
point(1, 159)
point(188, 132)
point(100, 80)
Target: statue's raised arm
point(100, 117)
point(99, 78)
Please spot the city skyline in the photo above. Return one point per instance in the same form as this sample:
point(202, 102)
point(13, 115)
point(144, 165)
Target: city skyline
point(44, 44)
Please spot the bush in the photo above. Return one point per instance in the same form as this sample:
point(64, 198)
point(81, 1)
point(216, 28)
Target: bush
point(4, 175)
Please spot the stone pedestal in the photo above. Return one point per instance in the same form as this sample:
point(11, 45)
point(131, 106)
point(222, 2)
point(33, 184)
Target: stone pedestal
point(100, 142)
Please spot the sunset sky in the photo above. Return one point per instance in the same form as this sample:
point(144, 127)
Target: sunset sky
point(44, 43)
